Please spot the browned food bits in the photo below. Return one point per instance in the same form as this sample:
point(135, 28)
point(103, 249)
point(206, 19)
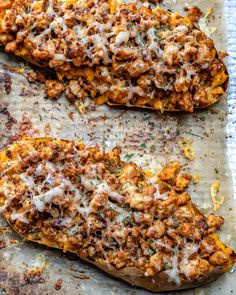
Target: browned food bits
point(54, 88)
point(194, 13)
point(58, 284)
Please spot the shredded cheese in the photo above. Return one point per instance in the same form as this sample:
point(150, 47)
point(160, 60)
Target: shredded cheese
point(196, 179)
point(173, 273)
point(189, 153)
point(215, 187)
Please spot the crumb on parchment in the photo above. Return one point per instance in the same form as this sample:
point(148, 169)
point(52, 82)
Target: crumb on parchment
point(215, 187)
point(58, 284)
point(194, 13)
point(187, 149)
point(196, 179)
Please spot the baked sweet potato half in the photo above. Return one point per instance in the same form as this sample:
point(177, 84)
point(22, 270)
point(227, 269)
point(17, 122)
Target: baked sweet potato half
point(144, 230)
point(116, 54)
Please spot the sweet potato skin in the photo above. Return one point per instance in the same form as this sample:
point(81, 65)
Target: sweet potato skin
point(160, 282)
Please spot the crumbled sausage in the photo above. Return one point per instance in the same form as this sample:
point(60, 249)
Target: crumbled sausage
point(218, 258)
point(215, 222)
point(194, 13)
point(157, 230)
point(54, 88)
point(169, 173)
point(182, 181)
point(183, 198)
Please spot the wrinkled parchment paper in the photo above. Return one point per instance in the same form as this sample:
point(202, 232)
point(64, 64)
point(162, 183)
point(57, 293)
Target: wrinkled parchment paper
point(148, 138)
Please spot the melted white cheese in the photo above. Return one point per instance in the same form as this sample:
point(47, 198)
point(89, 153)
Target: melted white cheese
point(40, 36)
point(101, 42)
point(65, 221)
point(152, 36)
point(85, 211)
point(172, 49)
point(161, 244)
point(28, 180)
point(183, 29)
point(158, 196)
point(39, 170)
point(70, 186)
point(81, 33)
point(173, 273)
point(40, 201)
point(122, 37)
point(105, 188)
point(122, 212)
point(19, 216)
point(89, 184)
point(189, 249)
point(60, 57)
point(9, 195)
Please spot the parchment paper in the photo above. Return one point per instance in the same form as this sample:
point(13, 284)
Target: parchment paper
point(151, 138)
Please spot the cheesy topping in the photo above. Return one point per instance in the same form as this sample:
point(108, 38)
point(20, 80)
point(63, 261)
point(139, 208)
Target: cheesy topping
point(117, 53)
point(64, 194)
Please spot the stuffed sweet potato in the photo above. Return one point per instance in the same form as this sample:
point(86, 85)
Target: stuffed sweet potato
point(66, 195)
point(116, 54)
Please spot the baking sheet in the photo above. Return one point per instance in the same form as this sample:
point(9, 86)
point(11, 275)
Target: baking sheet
point(152, 140)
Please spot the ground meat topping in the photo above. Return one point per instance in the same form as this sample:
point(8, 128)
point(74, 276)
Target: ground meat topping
point(80, 199)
